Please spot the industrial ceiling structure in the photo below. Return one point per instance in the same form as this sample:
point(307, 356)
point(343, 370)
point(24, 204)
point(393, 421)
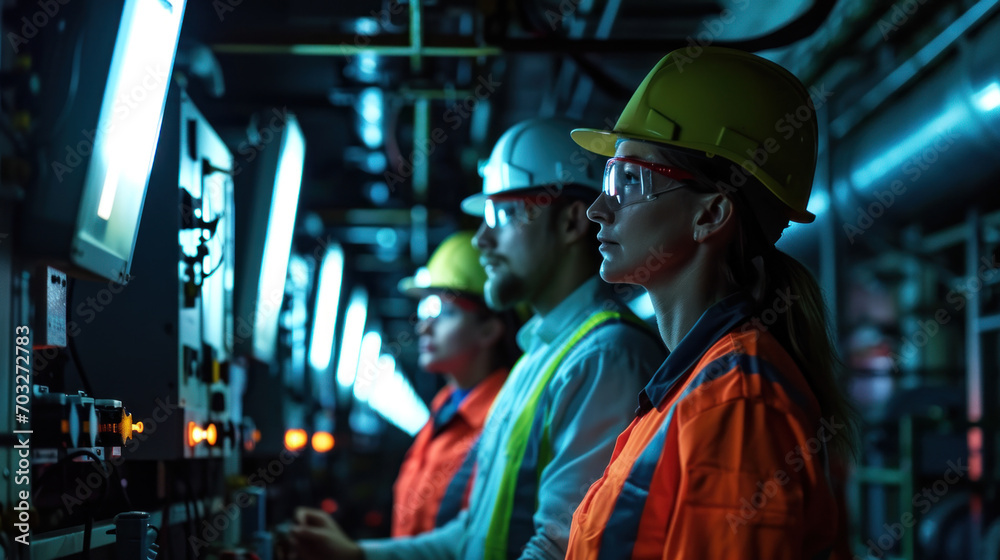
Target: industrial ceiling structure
point(400, 101)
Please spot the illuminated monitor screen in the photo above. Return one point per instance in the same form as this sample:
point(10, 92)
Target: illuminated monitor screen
point(278, 243)
point(327, 308)
point(267, 191)
point(125, 138)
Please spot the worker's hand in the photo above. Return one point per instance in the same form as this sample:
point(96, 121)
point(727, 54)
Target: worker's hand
point(316, 536)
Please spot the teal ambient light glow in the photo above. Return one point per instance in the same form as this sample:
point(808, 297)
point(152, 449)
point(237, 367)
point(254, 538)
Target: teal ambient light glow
point(350, 343)
point(327, 306)
point(392, 396)
point(278, 241)
point(988, 98)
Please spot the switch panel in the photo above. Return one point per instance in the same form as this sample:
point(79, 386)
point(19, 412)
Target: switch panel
point(49, 294)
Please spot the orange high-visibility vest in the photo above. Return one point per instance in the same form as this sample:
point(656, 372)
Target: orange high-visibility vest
point(726, 459)
point(430, 471)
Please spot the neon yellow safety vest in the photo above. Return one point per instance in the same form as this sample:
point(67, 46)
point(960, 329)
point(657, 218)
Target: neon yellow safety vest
point(529, 451)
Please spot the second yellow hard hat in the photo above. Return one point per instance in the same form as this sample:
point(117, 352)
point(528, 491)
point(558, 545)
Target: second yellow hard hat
point(453, 266)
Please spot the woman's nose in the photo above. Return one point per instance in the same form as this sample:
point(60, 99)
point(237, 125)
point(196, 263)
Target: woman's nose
point(599, 211)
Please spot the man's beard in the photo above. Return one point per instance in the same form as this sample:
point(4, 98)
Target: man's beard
point(503, 292)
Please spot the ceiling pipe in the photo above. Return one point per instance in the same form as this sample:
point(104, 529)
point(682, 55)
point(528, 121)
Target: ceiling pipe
point(907, 71)
point(416, 35)
point(349, 49)
point(585, 86)
point(395, 45)
point(934, 146)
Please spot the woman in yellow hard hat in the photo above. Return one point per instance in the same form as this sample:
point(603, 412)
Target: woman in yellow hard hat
point(729, 454)
point(474, 348)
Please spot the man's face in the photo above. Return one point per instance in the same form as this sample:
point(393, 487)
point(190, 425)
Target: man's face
point(518, 256)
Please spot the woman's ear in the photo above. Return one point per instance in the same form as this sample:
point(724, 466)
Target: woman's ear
point(713, 213)
point(490, 332)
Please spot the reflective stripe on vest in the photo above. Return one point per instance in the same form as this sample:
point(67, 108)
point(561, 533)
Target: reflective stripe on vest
point(529, 451)
point(619, 535)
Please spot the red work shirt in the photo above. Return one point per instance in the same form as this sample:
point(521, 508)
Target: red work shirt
point(436, 455)
point(726, 459)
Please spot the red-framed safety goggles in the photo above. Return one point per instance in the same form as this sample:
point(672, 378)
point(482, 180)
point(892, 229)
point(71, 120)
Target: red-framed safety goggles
point(629, 181)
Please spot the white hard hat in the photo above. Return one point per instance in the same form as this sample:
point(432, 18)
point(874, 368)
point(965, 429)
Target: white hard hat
point(533, 154)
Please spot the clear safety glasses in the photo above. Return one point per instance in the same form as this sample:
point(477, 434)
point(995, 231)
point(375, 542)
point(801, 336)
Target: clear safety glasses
point(501, 212)
point(629, 181)
point(429, 307)
point(448, 305)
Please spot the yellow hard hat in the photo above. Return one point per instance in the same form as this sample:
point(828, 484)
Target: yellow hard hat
point(730, 103)
point(453, 266)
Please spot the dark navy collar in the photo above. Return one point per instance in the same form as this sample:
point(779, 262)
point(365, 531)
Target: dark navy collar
point(713, 324)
